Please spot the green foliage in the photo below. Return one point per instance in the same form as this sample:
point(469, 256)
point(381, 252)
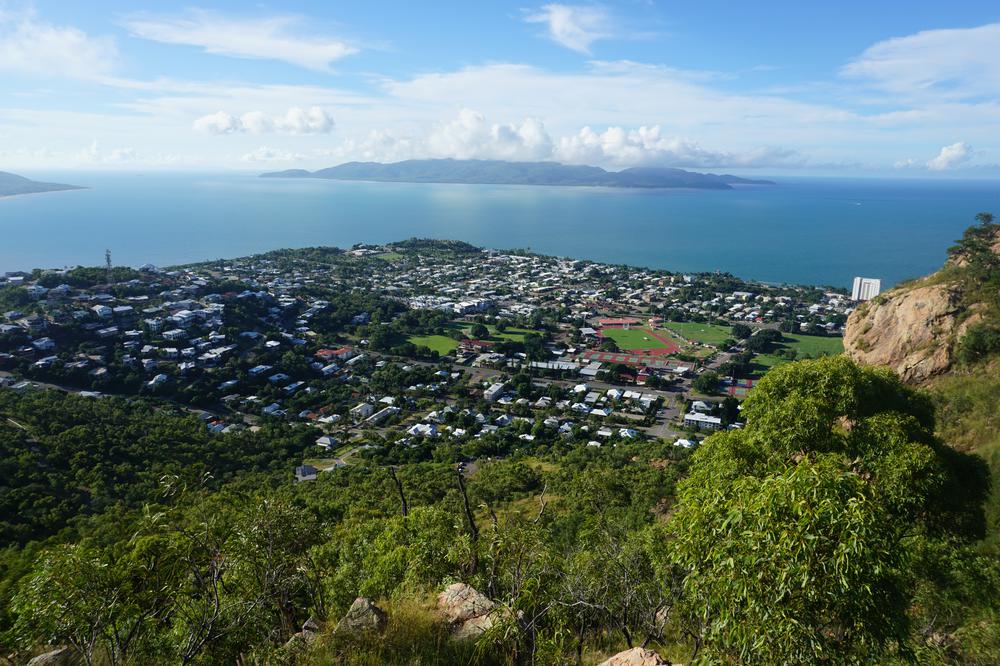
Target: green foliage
point(707, 383)
point(795, 532)
point(70, 456)
point(980, 342)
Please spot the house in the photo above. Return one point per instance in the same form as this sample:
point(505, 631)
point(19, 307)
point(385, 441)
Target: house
point(274, 409)
point(44, 344)
point(341, 354)
point(36, 291)
point(327, 442)
point(684, 443)
point(305, 473)
point(702, 421)
point(258, 370)
point(102, 311)
point(158, 380)
point(423, 430)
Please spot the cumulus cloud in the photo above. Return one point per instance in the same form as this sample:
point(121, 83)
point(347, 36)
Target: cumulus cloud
point(471, 136)
point(953, 63)
point(31, 46)
point(219, 122)
point(574, 26)
point(955, 155)
point(296, 120)
point(266, 38)
point(647, 146)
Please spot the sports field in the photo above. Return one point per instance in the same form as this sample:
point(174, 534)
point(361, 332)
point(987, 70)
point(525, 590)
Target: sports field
point(706, 334)
point(641, 339)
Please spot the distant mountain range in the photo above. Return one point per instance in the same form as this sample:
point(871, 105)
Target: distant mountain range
point(12, 184)
point(495, 172)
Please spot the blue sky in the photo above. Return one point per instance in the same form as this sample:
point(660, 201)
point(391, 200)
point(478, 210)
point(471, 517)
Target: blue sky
point(846, 87)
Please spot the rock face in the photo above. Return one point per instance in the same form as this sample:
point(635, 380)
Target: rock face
point(363, 615)
point(911, 330)
point(58, 657)
point(636, 657)
point(915, 329)
point(468, 611)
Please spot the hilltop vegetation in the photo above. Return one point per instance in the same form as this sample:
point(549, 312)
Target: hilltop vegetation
point(835, 527)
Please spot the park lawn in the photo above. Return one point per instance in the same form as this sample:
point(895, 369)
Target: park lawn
point(708, 334)
point(763, 362)
point(804, 345)
point(511, 333)
point(633, 338)
point(390, 256)
point(442, 344)
point(814, 345)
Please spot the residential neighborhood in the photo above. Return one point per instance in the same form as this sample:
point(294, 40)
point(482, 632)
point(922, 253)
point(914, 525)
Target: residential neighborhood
point(396, 350)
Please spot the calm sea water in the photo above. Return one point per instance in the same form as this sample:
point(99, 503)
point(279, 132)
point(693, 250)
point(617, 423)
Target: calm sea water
point(816, 231)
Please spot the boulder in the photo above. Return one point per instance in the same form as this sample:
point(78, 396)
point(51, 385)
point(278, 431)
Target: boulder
point(460, 602)
point(469, 612)
point(363, 615)
point(636, 657)
point(63, 656)
point(474, 627)
point(311, 629)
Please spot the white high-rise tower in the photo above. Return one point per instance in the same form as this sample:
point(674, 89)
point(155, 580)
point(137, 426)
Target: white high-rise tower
point(866, 288)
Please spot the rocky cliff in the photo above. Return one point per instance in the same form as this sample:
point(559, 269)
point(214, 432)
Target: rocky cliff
point(915, 329)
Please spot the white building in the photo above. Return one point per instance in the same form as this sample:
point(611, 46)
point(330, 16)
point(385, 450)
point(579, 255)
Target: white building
point(702, 421)
point(493, 392)
point(866, 288)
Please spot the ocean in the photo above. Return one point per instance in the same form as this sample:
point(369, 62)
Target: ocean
point(821, 231)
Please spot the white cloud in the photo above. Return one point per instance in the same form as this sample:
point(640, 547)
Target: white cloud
point(267, 38)
point(574, 26)
point(946, 64)
point(95, 155)
point(219, 122)
point(471, 136)
point(29, 46)
point(955, 155)
point(296, 120)
point(647, 146)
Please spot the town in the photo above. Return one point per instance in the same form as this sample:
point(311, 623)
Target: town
point(418, 349)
